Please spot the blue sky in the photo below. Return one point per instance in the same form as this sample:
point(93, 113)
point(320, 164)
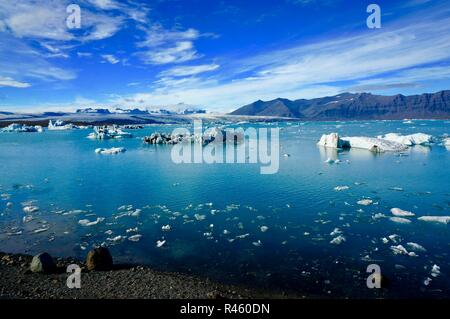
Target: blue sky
point(216, 54)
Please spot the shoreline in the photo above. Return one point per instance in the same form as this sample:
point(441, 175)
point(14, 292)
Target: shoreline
point(124, 281)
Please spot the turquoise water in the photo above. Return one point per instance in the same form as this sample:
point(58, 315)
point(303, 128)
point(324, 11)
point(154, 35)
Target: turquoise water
point(60, 173)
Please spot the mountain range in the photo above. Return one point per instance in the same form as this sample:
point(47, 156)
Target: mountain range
point(354, 106)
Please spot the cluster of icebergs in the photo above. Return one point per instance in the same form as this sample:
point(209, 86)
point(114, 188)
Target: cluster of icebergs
point(214, 134)
point(108, 132)
point(391, 142)
point(22, 128)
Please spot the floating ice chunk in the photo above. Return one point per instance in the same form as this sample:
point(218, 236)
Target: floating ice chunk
point(87, 222)
point(409, 140)
point(427, 281)
point(331, 140)
point(160, 243)
point(395, 238)
point(264, 229)
point(435, 271)
point(17, 233)
point(135, 238)
point(109, 232)
point(59, 125)
point(384, 240)
point(400, 220)
point(199, 217)
point(242, 236)
point(166, 228)
point(436, 219)
point(400, 250)
point(226, 232)
point(109, 151)
point(341, 188)
point(372, 144)
point(401, 213)
point(365, 202)
point(136, 213)
point(378, 216)
point(30, 209)
point(9, 205)
point(336, 232)
point(416, 247)
point(257, 243)
point(27, 219)
point(398, 189)
point(132, 230)
point(117, 238)
point(338, 240)
point(41, 230)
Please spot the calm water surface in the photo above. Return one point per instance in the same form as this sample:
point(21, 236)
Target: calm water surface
point(210, 207)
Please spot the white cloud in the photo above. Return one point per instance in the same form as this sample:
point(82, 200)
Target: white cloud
point(168, 46)
point(7, 81)
point(110, 58)
point(189, 70)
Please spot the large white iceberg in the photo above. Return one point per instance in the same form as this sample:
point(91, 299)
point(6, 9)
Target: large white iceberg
point(376, 145)
point(59, 125)
point(436, 219)
point(22, 128)
point(409, 140)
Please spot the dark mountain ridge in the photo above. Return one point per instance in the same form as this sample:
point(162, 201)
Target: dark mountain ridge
point(355, 106)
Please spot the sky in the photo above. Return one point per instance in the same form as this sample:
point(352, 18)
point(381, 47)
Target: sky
point(216, 54)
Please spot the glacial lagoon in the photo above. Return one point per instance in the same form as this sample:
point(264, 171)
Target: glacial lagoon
point(312, 228)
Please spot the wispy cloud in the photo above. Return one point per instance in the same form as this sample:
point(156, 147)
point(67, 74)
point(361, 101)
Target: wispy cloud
point(7, 81)
point(110, 58)
point(190, 70)
point(169, 46)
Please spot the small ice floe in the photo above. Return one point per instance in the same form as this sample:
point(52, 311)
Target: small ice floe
point(117, 238)
point(338, 240)
point(427, 281)
point(400, 250)
point(27, 219)
point(135, 213)
point(22, 128)
point(385, 240)
point(199, 217)
point(160, 243)
point(401, 213)
point(264, 229)
point(125, 207)
point(409, 140)
point(341, 188)
point(435, 271)
point(135, 238)
point(416, 247)
point(109, 151)
point(365, 202)
point(242, 236)
point(9, 205)
point(257, 243)
point(287, 155)
point(17, 233)
point(30, 209)
point(132, 230)
point(109, 232)
point(41, 230)
point(398, 189)
point(378, 216)
point(226, 232)
point(336, 232)
point(108, 132)
point(395, 238)
point(166, 228)
point(399, 220)
point(87, 222)
point(435, 219)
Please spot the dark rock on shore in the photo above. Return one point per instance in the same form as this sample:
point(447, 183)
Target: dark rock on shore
point(99, 259)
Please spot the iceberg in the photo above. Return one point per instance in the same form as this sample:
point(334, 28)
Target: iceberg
point(22, 128)
point(409, 140)
point(400, 220)
point(109, 151)
point(87, 222)
point(108, 132)
point(435, 219)
point(376, 145)
point(401, 213)
point(60, 125)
